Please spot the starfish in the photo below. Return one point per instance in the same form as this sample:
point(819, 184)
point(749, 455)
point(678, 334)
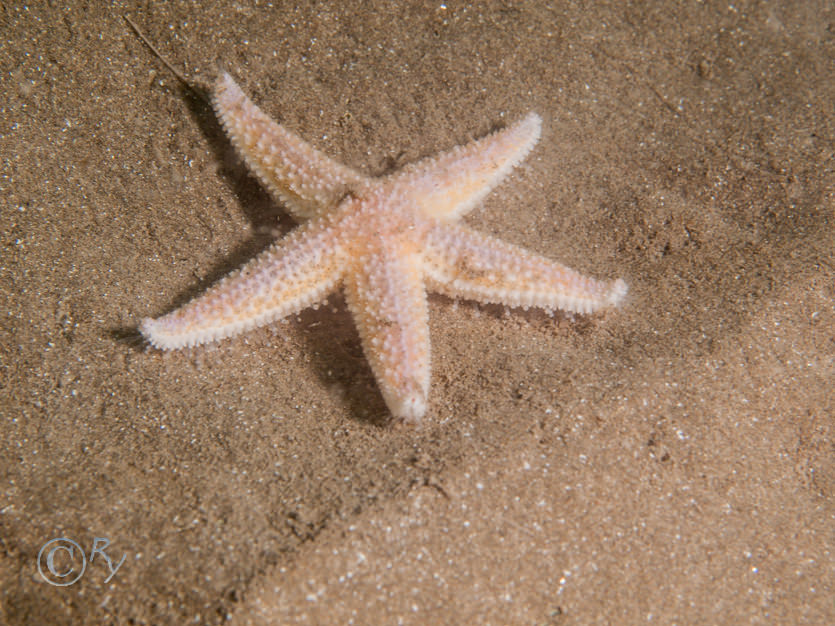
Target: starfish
point(384, 240)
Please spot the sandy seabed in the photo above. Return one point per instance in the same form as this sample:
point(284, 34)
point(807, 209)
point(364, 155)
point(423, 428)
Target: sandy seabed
point(671, 461)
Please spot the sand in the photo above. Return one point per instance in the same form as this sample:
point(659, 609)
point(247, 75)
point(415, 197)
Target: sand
point(671, 461)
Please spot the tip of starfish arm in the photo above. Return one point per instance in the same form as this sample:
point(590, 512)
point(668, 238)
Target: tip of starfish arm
point(154, 332)
point(224, 79)
point(533, 121)
point(409, 408)
point(149, 329)
point(528, 130)
point(617, 292)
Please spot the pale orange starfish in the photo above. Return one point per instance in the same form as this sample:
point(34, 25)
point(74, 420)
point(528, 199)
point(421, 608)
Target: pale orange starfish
point(384, 240)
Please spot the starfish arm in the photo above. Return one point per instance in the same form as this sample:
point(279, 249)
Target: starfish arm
point(388, 302)
point(468, 264)
point(296, 174)
point(291, 275)
point(450, 185)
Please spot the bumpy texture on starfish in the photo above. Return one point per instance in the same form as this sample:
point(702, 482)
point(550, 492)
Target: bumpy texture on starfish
point(384, 240)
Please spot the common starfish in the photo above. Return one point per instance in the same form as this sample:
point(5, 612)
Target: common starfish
point(385, 240)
